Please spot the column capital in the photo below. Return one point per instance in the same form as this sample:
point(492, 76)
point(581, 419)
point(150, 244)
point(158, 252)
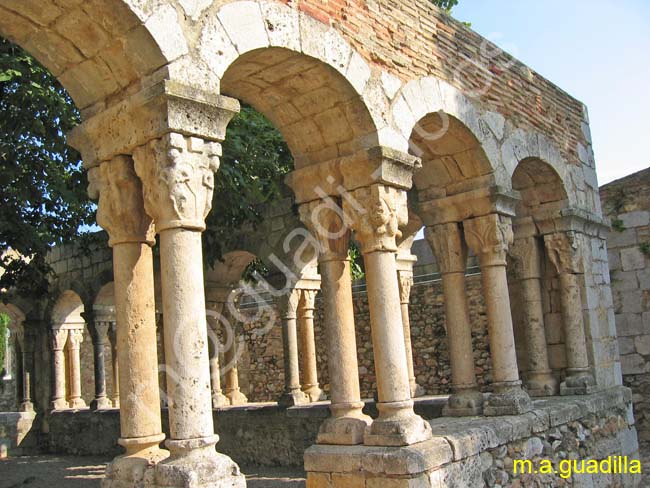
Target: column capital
point(288, 304)
point(405, 282)
point(100, 328)
point(563, 252)
point(489, 237)
point(76, 337)
point(325, 221)
point(59, 338)
point(525, 256)
point(449, 247)
point(376, 213)
point(307, 302)
point(177, 173)
point(120, 210)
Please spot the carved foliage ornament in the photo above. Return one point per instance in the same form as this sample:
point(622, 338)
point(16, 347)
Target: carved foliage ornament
point(448, 245)
point(489, 237)
point(405, 281)
point(121, 207)
point(177, 173)
point(376, 214)
point(324, 220)
point(525, 256)
point(59, 338)
point(563, 252)
point(288, 304)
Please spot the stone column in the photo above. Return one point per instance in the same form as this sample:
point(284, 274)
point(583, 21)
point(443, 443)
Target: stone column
point(563, 253)
point(308, 367)
point(292, 395)
point(405, 280)
point(450, 249)
point(100, 337)
point(115, 369)
point(178, 182)
point(59, 339)
point(231, 357)
point(525, 253)
point(347, 424)
point(489, 237)
point(26, 340)
point(121, 213)
point(75, 338)
point(375, 214)
point(215, 311)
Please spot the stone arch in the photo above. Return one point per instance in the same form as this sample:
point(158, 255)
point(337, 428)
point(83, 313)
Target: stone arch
point(542, 190)
point(95, 48)
point(68, 310)
point(104, 303)
point(301, 74)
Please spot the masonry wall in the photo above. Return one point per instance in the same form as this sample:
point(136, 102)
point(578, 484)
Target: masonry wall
point(627, 203)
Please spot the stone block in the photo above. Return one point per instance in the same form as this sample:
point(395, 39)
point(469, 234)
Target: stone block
point(244, 24)
point(614, 259)
point(629, 324)
point(635, 219)
point(634, 364)
point(642, 344)
point(644, 278)
point(624, 281)
point(626, 238)
point(632, 259)
point(632, 302)
point(626, 345)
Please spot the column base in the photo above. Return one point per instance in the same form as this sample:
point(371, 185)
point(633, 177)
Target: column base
point(293, 398)
point(464, 403)
point(236, 397)
point(101, 403)
point(315, 394)
point(541, 384)
point(77, 403)
point(509, 399)
point(194, 463)
point(346, 427)
point(59, 404)
point(417, 391)
point(26, 407)
point(135, 470)
point(397, 425)
point(116, 403)
point(581, 383)
point(219, 400)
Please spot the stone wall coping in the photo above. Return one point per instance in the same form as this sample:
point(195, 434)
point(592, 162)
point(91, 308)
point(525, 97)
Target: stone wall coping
point(458, 438)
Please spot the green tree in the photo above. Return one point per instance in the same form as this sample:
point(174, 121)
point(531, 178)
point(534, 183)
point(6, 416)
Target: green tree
point(446, 5)
point(43, 199)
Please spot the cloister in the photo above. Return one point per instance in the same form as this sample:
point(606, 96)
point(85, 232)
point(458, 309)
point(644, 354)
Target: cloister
point(398, 118)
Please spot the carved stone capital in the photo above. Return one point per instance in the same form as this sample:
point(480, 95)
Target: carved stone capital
point(100, 331)
point(288, 305)
point(75, 338)
point(449, 247)
point(325, 221)
point(120, 210)
point(307, 302)
point(526, 258)
point(376, 213)
point(59, 338)
point(405, 282)
point(563, 252)
point(489, 237)
point(177, 175)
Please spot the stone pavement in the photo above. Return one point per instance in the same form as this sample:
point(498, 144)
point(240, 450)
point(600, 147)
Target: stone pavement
point(86, 472)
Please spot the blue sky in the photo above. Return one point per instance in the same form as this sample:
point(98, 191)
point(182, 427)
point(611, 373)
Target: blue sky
point(596, 50)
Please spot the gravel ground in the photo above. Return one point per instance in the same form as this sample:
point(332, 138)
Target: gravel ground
point(86, 472)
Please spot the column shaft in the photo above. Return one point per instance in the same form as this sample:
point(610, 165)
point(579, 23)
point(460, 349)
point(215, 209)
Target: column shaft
point(101, 400)
point(231, 357)
point(308, 366)
point(27, 363)
point(218, 398)
point(59, 339)
point(74, 343)
point(292, 394)
point(115, 369)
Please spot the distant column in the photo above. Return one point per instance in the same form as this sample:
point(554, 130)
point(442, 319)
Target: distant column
point(100, 338)
point(75, 338)
point(59, 338)
point(309, 367)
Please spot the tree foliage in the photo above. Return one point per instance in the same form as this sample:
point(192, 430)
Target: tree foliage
point(446, 5)
point(43, 199)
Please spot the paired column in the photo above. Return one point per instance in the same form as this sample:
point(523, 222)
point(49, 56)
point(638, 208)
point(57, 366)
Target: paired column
point(292, 395)
point(231, 358)
point(308, 366)
point(59, 339)
point(75, 338)
point(100, 338)
point(121, 213)
point(526, 255)
point(489, 237)
point(450, 249)
point(178, 182)
point(405, 280)
point(115, 368)
point(215, 310)
point(26, 340)
point(376, 213)
point(563, 252)
point(347, 424)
